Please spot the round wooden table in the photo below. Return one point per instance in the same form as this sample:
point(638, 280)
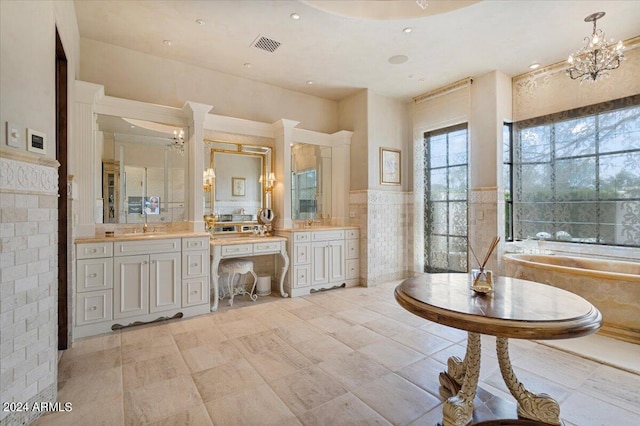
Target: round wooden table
point(514, 309)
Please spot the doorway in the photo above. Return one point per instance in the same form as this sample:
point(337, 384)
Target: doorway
point(63, 228)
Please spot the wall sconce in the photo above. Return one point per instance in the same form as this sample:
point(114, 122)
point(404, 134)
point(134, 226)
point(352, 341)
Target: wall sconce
point(208, 177)
point(271, 180)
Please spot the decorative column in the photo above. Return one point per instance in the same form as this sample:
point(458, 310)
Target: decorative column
point(341, 176)
point(283, 132)
point(198, 113)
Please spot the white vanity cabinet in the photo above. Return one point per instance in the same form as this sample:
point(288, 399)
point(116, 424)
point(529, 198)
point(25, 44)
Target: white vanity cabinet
point(321, 259)
point(139, 280)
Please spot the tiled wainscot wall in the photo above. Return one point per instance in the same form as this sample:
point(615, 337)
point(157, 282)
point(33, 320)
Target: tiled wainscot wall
point(385, 219)
point(28, 282)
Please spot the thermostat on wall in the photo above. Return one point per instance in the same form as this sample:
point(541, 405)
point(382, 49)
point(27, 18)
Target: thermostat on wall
point(36, 141)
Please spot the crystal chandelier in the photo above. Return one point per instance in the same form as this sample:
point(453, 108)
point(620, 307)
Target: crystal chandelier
point(597, 57)
point(177, 143)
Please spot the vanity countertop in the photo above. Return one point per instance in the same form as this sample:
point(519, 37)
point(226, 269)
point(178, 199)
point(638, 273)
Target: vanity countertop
point(141, 236)
point(244, 240)
point(316, 228)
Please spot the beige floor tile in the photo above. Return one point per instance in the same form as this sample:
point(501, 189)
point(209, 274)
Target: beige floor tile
point(343, 410)
point(387, 308)
point(144, 373)
point(81, 390)
point(358, 315)
point(422, 341)
point(310, 312)
point(163, 346)
point(145, 334)
point(196, 416)
point(78, 365)
point(185, 325)
point(331, 324)
point(210, 356)
point(200, 337)
point(307, 389)
point(279, 362)
point(294, 303)
point(94, 344)
point(615, 386)
point(398, 400)
point(391, 354)
point(330, 301)
point(424, 374)
point(259, 342)
point(101, 411)
point(322, 349)
point(226, 379)
point(280, 318)
point(252, 406)
point(353, 370)
point(242, 327)
point(299, 332)
point(581, 409)
point(160, 400)
point(431, 418)
point(387, 327)
point(358, 336)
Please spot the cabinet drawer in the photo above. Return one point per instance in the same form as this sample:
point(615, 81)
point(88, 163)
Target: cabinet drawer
point(94, 250)
point(195, 292)
point(353, 234)
point(301, 237)
point(94, 274)
point(94, 306)
point(328, 235)
point(165, 245)
point(301, 276)
point(353, 249)
point(353, 268)
point(194, 263)
point(236, 250)
point(301, 254)
point(266, 247)
point(200, 243)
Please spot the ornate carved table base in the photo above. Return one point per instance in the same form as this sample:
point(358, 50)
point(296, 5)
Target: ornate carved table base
point(461, 381)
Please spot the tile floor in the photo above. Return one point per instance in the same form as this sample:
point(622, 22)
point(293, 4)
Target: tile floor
point(348, 356)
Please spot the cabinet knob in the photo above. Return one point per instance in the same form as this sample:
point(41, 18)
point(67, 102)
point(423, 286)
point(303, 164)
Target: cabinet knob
point(92, 250)
point(93, 308)
point(93, 275)
point(194, 265)
point(144, 262)
point(194, 292)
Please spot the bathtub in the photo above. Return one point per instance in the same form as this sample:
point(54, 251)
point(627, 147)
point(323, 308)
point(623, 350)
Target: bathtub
point(611, 286)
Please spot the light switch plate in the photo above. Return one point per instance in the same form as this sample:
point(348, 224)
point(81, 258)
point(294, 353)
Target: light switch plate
point(15, 137)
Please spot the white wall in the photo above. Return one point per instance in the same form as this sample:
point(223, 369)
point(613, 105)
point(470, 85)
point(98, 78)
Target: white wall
point(127, 74)
point(352, 115)
point(29, 282)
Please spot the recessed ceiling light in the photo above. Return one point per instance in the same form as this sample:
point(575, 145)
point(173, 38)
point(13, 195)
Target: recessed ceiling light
point(407, 30)
point(309, 82)
point(398, 59)
point(421, 80)
point(294, 16)
point(168, 42)
point(200, 21)
point(534, 66)
point(247, 65)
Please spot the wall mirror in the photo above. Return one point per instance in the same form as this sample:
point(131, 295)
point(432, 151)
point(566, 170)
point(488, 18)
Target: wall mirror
point(144, 171)
point(238, 187)
point(310, 182)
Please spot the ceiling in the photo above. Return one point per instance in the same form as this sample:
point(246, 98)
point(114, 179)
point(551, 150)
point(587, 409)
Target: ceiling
point(336, 48)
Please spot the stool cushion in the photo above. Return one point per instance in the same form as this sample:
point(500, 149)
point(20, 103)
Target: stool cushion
point(236, 266)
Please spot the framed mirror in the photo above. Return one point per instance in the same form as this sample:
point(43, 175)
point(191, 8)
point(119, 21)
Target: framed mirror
point(310, 182)
point(144, 171)
point(238, 185)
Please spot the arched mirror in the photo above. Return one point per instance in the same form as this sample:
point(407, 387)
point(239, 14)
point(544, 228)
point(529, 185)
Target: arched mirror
point(144, 171)
point(237, 184)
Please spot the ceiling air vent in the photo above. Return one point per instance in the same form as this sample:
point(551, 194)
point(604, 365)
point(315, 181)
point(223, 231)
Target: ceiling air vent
point(266, 43)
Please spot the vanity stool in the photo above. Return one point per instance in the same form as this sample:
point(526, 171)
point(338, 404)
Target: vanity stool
point(238, 267)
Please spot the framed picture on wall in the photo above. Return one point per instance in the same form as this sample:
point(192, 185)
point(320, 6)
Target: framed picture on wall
point(390, 171)
point(237, 187)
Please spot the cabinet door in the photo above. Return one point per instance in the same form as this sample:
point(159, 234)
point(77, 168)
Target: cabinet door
point(319, 263)
point(337, 267)
point(131, 286)
point(93, 306)
point(195, 291)
point(165, 281)
point(301, 254)
point(94, 274)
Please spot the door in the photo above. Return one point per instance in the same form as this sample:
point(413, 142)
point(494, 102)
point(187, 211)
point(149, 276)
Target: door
point(320, 263)
point(337, 267)
point(165, 281)
point(131, 286)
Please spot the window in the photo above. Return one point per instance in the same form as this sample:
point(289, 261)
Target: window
point(446, 184)
point(507, 179)
point(577, 175)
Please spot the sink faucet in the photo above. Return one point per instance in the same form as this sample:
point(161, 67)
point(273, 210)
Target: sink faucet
point(310, 222)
